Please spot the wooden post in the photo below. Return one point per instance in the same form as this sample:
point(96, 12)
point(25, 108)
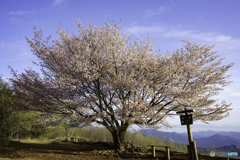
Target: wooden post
point(192, 150)
point(189, 152)
point(153, 149)
point(190, 139)
point(168, 153)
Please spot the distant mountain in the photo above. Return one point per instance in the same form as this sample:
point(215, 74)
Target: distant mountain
point(209, 133)
point(166, 136)
point(217, 141)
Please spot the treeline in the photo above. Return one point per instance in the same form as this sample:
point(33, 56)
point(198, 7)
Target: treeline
point(15, 122)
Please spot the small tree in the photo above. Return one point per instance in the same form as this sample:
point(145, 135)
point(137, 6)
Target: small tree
point(104, 78)
point(72, 123)
point(45, 122)
point(7, 119)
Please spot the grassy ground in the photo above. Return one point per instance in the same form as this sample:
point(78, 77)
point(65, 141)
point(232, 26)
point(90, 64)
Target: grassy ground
point(84, 149)
point(95, 143)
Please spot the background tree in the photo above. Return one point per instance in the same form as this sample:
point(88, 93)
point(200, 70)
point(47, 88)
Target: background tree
point(44, 123)
point(100, 76)
point(34, 123)
point(72, 123)
point(15, 122)
point(7, 119)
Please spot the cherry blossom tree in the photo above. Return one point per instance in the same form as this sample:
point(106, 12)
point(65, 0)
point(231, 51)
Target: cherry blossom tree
point(100, 76)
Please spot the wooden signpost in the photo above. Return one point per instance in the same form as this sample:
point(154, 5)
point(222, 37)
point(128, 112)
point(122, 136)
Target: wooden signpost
point(187, 120)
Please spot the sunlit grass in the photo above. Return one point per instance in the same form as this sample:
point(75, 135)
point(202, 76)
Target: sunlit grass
point(29, 140)
point(102, 134)
point(93, 134)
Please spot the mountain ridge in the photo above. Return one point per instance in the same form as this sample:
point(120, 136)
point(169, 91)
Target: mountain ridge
point(215, 140)
point(209, 133)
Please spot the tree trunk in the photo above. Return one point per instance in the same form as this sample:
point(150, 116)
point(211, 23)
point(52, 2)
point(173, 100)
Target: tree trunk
point(72, 132)
point(66, 129)
point(119, 138)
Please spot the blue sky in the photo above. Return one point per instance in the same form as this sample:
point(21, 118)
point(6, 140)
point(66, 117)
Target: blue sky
point(203, 21)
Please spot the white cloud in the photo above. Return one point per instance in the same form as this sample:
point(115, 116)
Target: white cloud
point(18, 21)
point(176, 33)
point(23, 49)
point(236, 94)
point(2, 44)
point(145, 30)
point(160, 10)
point(106, 15)
point(21, 12)
point(59, 2)
point(212, 37)
point(223, 41)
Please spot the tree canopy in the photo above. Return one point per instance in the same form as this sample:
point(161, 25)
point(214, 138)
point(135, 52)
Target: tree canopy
point(100, 76)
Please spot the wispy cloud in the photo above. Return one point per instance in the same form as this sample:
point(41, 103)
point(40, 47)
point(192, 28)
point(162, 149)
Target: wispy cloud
point(154, 12)
point(59, 2)
point(21, 46)
point(21, 12)
point(236, 94)
point(176, 32)
point(145, 30)
point(17, 21)
point(2, 44)
point(213, 37)
point(106, 15)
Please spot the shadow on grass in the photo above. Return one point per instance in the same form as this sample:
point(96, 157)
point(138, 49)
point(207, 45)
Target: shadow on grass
point(82, 150)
